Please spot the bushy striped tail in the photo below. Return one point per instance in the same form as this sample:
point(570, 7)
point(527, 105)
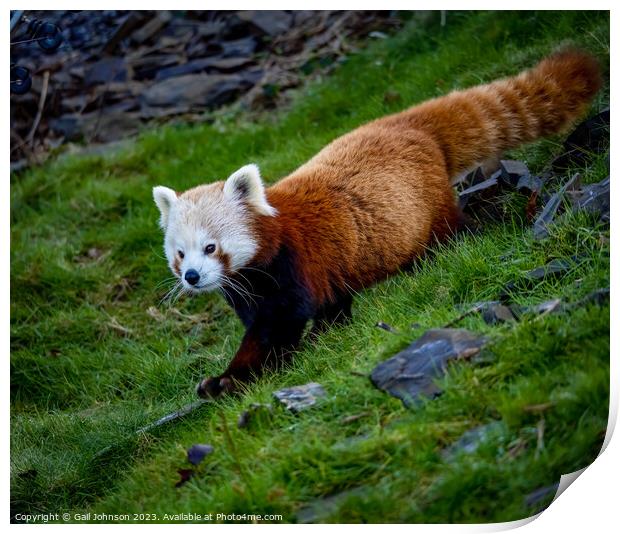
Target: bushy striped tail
point(482, 122)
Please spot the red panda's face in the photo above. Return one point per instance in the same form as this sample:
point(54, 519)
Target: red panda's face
point(208, 229)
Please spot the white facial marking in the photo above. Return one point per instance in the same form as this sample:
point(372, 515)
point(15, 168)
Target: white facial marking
point(217, 215)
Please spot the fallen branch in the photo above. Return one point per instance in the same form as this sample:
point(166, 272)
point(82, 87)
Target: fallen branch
point(37, 119)
point(181, 412)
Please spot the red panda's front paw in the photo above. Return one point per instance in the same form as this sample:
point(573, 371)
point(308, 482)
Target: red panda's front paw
point(211, 388)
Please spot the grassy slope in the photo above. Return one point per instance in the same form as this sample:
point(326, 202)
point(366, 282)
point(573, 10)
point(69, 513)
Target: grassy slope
point(79, 385)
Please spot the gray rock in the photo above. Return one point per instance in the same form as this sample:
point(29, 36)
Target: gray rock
point(197, 453)
point(271, 23)
point(555, 268)
point(593, 198)
point(195, 90)
point(152, 27)
point(240, 47)
point(539, 495)
point(512, 170)
point(148, 66)
point(529, 184)
point(386, 327)
point(411, 373)
point(545, 219)
point(298, 398)
point(104, 127)
point(599, 297)
point(546, 307)
point(109, 69)
point(470, 440)
point(494, 313)
point(226, 65)
point(485, 188)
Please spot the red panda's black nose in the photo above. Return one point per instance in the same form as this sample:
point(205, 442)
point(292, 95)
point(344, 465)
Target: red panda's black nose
point(192, 277)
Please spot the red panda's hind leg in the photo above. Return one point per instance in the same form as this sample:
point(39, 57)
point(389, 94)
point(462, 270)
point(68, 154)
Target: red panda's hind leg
point(338, 312)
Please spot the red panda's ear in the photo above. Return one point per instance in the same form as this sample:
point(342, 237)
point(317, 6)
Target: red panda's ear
point(246, 184)
point(164, 198)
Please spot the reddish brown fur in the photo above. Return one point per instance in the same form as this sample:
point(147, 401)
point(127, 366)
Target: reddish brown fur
point(371, 201)
point(224, 260)
point(176, 265)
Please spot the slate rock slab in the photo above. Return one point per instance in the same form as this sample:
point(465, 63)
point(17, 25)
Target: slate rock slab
point(540, 495)
point(469, 179)
point(482, 189)
point(195, 90)
point(547, 216)
point(299, 398)
point(598, 297)
point(544, 308)
point(593, 198)
point(411, 374)
point(470, 440)
point(512, 171)
point(494, 312)
point(109, 69)
point(554, 269)
point(271, 23)
point(528, 184)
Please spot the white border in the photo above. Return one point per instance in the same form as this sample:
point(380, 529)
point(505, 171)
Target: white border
point(591, 503)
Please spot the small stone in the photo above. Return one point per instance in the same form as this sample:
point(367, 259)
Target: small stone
point(497, 313)
point(537, 496)
point(240, 47)
point(529, 184)
point(549, 306)
point(554, 268)
point(270, 22)
point(152, 27)
point(197, 453)
point(598, 297)
point(593, 198)
point(110, 69)
point(377, 35)
point(298, 398)
point(545, 219)
point(386, 327)
point(226, 65)
point(470, 440)
point(482, 189)
point(94, 253)
point(512, 171)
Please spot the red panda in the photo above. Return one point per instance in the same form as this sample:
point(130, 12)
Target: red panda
point(364, 207)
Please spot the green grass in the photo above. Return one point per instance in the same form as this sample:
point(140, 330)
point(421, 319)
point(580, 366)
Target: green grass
point(81, 385)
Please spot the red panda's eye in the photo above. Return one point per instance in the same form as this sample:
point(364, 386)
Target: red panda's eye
point(210, 249)
point(181, 254)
